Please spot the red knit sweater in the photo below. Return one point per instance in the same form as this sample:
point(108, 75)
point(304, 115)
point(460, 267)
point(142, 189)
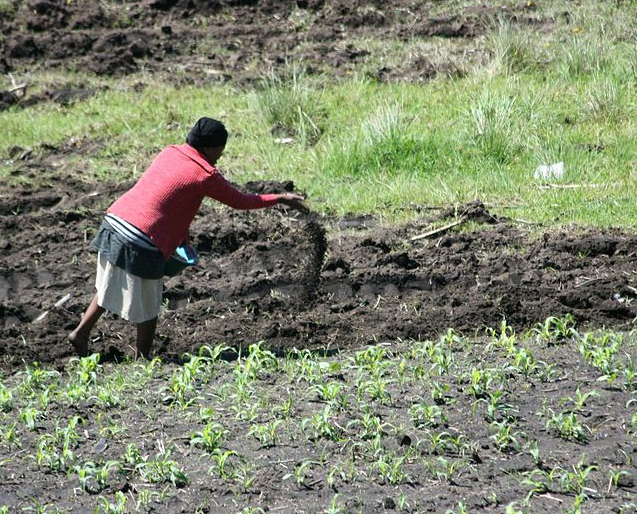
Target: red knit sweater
point(165, 199)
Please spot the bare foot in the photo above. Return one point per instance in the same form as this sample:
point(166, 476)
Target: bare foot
point(139, 355)
point(79, 340)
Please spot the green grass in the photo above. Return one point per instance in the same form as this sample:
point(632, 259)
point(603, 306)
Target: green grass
point(359, 145)
point(440, 143)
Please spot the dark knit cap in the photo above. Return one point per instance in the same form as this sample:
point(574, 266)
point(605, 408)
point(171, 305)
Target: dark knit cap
point(207, 133)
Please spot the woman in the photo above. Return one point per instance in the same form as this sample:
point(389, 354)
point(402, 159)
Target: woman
point(142, 229)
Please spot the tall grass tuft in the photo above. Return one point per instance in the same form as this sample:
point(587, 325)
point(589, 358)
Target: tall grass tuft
point(630, 63)
point(605, 100)
point(291, 105)
point(495, 132)
point(511, 47)
point(383, 146)
point(583, 56)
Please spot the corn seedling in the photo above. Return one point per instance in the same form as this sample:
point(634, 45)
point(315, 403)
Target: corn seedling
point(210, 438)
point(54, 450)
point(207, 414)
point(266, 433)
point(285, 409)
point(29, 415)
point(163, 469)
point(49, 456)
point(148, 369)
point(144, 497)
point(321, 425)
point(334, 507)
point(36, 379)
point(85, 474)
point(221, 458)
point(480, 382)
point(40, 508)
point(580, 398)
point(369, 358)
point(461, 509)
point(600, 352)
point(439, 442)
point(133, 458)
point(545, 372)
point(370, 447)
point(44, 397)
point(615, 477)
point(391, 468)
point(105, 506)
point(6, 399)
point(245, 475)
point(630, 375)
point(556, 330)
point(370, 423)
point(84, 371)
point(567, 426)
point(402, 503)
point(575, 481)
point(377, 389)
point(439, 393)
point(109, 427)
point(302, 365)
point(505, 438)
point(523, 362)
point(441, 360)
point(444, 470)
point(90, 471)
point(246, 411)
point(494, 405)
point(213, 354)
point(301, 474)
point(424, 415)
point(182, 383)
point(340, 473)
point(257, 360)
point(107, 397)
point(9, 435)
point(331, 393)
point(540, 481)
point(504, 339)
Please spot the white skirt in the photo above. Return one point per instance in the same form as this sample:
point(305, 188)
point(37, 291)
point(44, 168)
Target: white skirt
point(132, 298)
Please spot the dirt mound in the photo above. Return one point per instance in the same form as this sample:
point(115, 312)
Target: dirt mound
point(238, 39)
point(273, 277)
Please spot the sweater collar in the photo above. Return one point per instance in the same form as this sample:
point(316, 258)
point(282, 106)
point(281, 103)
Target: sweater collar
point(192, 153)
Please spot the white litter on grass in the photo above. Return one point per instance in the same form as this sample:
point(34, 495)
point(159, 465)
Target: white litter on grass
point(552, 171)
point(284, 140)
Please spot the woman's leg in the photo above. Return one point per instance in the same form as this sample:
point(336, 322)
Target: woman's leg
point(145, 336)
point(79, 336)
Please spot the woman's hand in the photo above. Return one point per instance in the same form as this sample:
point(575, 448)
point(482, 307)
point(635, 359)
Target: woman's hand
point(294, 201)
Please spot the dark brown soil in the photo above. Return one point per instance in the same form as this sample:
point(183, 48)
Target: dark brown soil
point(310, 282)
point(304, 282)
point(240, 40)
